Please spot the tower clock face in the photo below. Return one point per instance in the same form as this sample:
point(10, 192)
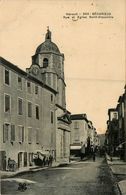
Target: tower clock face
point(35, 70)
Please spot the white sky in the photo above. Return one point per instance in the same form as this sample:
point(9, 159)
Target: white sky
point(94, 48)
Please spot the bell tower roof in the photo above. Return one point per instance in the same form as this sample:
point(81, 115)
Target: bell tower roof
point(47, 45)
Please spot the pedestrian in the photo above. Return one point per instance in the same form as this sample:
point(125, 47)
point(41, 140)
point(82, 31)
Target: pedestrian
point(44, 161)
point(4, 164)
point(93, 156)
point(14, 165)
point(47, 161)
point(9, 164)
point(81, 156)
point(50, 160)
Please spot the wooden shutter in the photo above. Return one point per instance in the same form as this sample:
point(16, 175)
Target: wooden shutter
point(12, 132)
point(5, 132)
point(22, 134)
point(4, 139)
point(29, 135)
point(37, 136)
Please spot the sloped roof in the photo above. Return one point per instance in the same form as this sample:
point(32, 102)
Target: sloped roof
point(23, 73)
point(79, 117)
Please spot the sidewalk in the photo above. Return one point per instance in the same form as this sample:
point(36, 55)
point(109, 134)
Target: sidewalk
point(7, 174)
point(118, 168)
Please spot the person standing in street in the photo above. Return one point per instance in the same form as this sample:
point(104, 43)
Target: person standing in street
point(44, 161)
point(5, 164)
point(94, 156)
point(50, 160)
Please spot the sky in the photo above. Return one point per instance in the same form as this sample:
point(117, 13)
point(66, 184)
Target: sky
point(94, 48)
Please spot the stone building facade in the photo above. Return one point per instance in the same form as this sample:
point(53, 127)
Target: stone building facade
point(33, 114)
point(112, 131)
point(83, 134)
point(115, 137)
point(121, 123)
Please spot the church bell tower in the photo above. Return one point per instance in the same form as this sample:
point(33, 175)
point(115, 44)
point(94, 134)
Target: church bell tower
point(48, 66)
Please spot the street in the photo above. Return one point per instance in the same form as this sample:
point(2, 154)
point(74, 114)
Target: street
point(84, 177)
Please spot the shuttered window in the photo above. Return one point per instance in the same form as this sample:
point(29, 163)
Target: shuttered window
point(37, 136)
point(5, 132)
point(51, 117)
point(19, 83)
point(29, 87)
point(20, 106)
point(29, 135)
point(7, 77)
point(21, 134)
point(12, 132)
point(29, 109)
point(36, 89)
point(7, 103)
point(37, 112)
point(51, 98)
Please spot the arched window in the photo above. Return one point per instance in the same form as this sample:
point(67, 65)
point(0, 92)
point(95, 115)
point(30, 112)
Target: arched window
point(45, 62)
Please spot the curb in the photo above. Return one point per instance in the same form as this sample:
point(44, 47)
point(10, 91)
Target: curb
point(33, 170)
point(30, 170)
point(22, 172)
point(115, 185)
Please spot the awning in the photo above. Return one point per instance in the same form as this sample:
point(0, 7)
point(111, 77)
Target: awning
point(75, 147)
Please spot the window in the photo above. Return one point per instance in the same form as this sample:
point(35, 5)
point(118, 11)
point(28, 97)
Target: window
point(37, 112)
point(45, 62)
point(115, 115)
point(29, 109)
point(21, 134)
point(5, 132)
point(36, 89)
point(7, 104)
point(29, 87)
point(12, 133)
point(29, 135)
point(51, 117)
point(20, 106)
point(19, 83)
point(37, 136)
point(7, 77)
point(51, 98)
